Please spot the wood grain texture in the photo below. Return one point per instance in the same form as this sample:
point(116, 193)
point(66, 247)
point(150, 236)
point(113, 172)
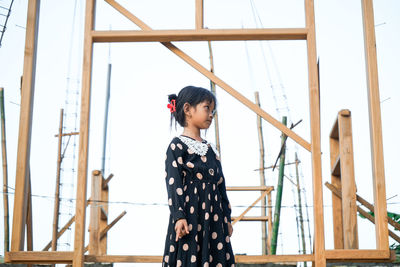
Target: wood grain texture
point(25, 127)
point(319, 238)
point(80, 213)
point(199, 35)
point(348, 184)
point(378, 169)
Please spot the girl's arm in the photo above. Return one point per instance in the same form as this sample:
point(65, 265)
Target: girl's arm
point(226, 206)
point(174, 181)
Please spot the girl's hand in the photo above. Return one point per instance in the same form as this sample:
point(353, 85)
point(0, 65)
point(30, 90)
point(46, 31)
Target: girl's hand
point(181, 229)
point(230, 229)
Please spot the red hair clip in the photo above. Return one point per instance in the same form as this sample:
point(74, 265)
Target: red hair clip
point(172, 106)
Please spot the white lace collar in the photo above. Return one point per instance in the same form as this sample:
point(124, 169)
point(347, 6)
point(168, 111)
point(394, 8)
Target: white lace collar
point(198, 147)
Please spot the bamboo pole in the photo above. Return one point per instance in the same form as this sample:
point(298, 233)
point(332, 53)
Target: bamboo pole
point(303, 240)
point(213, 89)
point(57, 190)
point(5, 173)
point(262, 177)
point(279, 189)
point(103, 158)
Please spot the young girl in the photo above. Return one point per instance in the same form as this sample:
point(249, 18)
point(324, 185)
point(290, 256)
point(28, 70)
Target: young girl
point(199, 227)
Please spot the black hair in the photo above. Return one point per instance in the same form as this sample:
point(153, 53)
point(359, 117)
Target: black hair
point(192, 95)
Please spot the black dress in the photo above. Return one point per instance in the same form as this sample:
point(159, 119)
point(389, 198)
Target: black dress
point(196, 192)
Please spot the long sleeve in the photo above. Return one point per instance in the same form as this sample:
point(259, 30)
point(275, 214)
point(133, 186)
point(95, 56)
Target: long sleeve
point(174, 180)
point(226, 206)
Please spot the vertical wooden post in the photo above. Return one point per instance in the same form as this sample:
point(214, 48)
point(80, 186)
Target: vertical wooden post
point(269, 222)
point(5, 173)
point(375, 124)
point(57, 191)
point(79, 241)
point(335, 180)
point(29, 221)
point(94, 226)
point(216, 121)
point(349, 203)
point(103, 214)
point(25, 127)
point(319, 252)
point(199, 14)
point(262, 177)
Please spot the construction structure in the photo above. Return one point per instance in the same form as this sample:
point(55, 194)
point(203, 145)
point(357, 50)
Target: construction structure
point(320, 255)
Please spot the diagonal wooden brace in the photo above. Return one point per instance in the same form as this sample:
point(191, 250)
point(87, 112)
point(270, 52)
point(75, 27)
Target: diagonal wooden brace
point(214, 78)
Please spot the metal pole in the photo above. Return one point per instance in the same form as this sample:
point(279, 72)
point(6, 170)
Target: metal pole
point(5, 173)
point(57, 190)
point(300, 208)
point(262, 179)
point(216, 123)
point(103, 159)
point(278, 201)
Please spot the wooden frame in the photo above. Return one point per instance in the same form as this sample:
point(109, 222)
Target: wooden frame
point(321, 255)
point(344, 207)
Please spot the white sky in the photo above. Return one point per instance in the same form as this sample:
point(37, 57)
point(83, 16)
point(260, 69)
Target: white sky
point(144, 73)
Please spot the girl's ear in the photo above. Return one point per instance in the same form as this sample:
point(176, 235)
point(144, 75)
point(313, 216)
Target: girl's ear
point(186, 109)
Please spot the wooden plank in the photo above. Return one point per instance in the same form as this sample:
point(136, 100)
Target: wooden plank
point(198, 35)
point(250, 188)
point(378, 169)
point(335, 171)
point(252, 205)
point(199, 14)
point(94, 225)
point(253, 218)
point(315, 123)
point(270, 222)
point(39, 257)
point(349, 254)
point(57, 189)
point(103, 222)
point(334, 131)
point(386, 260)
point(79, 239)
point(349, 205)
point(371, 208)
point(29, 221)
point(238, 258)
point(215, 79)
point(106, 181)
point(260, 259)
point(337, 192)
point(59, 233)
point(25, 127)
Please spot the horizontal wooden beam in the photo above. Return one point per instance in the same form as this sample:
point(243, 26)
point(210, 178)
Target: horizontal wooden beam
point(199, 35)
point(259, 259)
point(362, 254)
point(250, 188)
point(367, 255)
point(253, 218)
point(39, 257)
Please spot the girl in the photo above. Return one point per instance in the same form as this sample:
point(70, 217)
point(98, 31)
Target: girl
point(199, 227)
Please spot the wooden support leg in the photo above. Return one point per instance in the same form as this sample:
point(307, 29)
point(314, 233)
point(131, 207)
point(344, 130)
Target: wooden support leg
point(25, 128)
point(378, 169)
point(319, 252)
point(79, 241)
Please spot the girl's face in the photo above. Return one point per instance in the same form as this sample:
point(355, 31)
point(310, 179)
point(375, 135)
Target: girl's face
point(201, 115)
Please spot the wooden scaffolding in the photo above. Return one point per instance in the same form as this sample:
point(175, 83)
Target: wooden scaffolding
point(320, 255)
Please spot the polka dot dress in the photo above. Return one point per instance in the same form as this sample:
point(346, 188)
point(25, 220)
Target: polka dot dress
point(196, 192)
